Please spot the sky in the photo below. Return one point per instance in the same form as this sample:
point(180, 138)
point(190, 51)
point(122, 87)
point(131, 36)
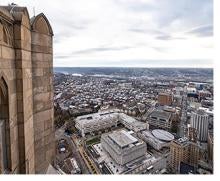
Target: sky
point(128, 33)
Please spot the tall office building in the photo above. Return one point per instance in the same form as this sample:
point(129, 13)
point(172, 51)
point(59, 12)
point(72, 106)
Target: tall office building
point(210, 146)
point(165, 99)
point(185, 151)
point(200, 121)
point(179, 153)
point(192, 134)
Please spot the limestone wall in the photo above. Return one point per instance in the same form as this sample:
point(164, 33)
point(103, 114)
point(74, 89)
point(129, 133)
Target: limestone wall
point(8, 74)
point(42, 66)
point(27, 70)
point(23, 66)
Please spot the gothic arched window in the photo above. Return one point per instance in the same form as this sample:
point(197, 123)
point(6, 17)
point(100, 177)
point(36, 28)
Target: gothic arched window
point(4, 128)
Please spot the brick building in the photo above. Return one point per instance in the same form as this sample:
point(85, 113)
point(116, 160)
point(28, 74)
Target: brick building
point(165, 99)
point(185, 151)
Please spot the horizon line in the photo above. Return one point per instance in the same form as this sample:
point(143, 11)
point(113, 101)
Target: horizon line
point(130, 67)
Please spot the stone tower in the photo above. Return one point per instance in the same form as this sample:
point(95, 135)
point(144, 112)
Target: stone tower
point(26, 92)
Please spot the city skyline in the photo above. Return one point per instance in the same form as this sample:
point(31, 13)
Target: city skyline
point(119, 110)
point(143, 33)
point(105, 116)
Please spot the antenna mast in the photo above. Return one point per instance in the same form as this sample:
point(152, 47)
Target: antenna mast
point(34, 10)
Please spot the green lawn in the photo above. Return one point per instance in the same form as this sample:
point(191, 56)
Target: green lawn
point(93, 141)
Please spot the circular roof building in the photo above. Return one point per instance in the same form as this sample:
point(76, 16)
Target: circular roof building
point(162, 135)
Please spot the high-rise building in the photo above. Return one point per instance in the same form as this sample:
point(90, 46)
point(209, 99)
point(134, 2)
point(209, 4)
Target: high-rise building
point(183, 150)
point(192, 134)
point(194, 153)
point(165, 99)
point(26, 91)
point(179, 153)
point(210, 146)
point(200, 121)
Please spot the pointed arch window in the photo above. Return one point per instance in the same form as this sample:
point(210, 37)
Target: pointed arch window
point(4, 128)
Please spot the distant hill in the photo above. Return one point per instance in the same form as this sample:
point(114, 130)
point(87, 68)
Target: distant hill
point(128, 72)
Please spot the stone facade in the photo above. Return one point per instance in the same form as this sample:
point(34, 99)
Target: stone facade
point(185, 151)
point(26, 91)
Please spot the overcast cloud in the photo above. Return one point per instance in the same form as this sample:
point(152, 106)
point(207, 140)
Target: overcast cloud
point(137, 33)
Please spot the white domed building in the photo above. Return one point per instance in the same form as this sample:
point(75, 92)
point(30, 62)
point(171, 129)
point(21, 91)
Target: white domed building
point(157, 138)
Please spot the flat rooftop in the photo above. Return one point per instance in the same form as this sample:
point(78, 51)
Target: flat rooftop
point(118, 169)
point(109, 115)
point(164, 94)
point(182, 141)
point(131, 120)
point(201, 112)
point(100, 116)
point(128, 119)
point(161, 114)
point(122, 138)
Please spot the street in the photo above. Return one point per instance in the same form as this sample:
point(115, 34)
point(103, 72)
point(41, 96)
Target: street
point(183, 119)
point(59, 134)
point(77, 156)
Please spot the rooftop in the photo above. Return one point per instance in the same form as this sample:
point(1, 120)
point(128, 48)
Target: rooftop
point(96, 117)
point(122, 138)
point(131, 120)
point(191, 89)
point(165, 93)
point(148, 135)
point(182, 141)
point(162, 135)
point(161, 114)
point(201, 112)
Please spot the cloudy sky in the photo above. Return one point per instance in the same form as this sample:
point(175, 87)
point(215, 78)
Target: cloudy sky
point(132, 33)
